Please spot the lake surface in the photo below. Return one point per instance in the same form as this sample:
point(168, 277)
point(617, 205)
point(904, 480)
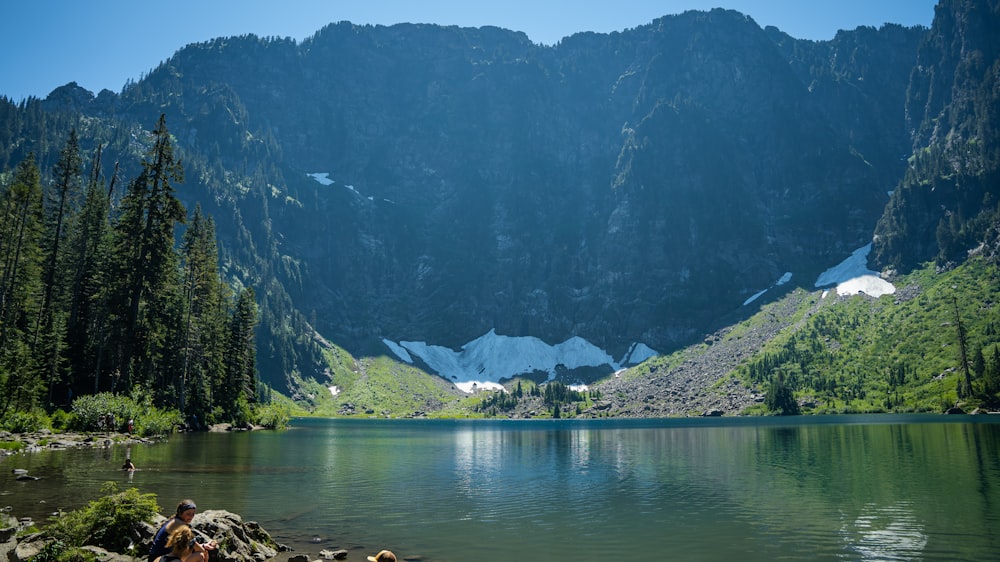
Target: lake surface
point(840, 488)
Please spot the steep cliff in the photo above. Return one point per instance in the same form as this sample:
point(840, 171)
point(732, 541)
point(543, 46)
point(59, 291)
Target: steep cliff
point(424, 183)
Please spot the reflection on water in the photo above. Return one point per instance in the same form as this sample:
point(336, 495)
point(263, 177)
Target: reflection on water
point(851, 488)
point(890, 532)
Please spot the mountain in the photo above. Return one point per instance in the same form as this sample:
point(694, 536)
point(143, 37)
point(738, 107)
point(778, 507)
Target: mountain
point(413, 189)
point(598, 188)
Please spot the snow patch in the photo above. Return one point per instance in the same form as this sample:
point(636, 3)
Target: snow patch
point(483, 362)
point(322, 177)
point(471, 387)
point(852, 276)
point(398, 350)
point(781, 281)
point(637, 353)
point(755, 296)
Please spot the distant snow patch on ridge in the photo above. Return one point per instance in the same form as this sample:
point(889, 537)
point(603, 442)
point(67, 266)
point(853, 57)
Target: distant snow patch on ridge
point(637, 353)
point(398, 350)
point(483, 362)
point(852, 276)
point(322, 177)
point(781, 281)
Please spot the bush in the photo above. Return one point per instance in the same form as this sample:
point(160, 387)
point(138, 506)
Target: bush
point(111, 522)
point(13, 446)
point(25, 422)
point(157, 422)
point(90, 413)
point(61, 420)
point(272, 416)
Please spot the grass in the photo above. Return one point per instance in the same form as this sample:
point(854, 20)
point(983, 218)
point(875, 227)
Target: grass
point(897, 353)
point(855, 354)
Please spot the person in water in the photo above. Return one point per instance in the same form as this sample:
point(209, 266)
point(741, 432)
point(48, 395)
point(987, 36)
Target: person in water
point(182, 547)
point(128, 465)
point(181, 519)
point(383, 556)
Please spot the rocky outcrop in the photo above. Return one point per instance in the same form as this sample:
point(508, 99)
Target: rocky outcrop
point(240, 541)
point(48, 439)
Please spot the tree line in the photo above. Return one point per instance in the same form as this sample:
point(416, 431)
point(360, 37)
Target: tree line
point(553, 395)
point(103, 291)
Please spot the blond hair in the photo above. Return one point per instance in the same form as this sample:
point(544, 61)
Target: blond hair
point(181, 541)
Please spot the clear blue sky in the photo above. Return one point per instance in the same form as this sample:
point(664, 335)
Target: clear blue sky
point(103, 43)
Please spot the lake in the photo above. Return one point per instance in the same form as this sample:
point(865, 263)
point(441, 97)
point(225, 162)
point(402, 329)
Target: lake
point(886, 487)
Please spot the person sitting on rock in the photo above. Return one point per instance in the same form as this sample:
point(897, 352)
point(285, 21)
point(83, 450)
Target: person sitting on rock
point(182, 547)
point(182, 519)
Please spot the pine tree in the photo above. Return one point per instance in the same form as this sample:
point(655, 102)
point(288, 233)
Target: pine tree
point(20, 290)
point(89, 243)
point(147, 293)
point(50, 326)
point(238, 383)
point(780, 398)
point(204, 313)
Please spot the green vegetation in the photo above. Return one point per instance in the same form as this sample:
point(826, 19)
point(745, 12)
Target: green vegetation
point(111, 412)
point(110, 522)
point(554, 397)
point(97, 301)
point(376, 387)
point(897, 353)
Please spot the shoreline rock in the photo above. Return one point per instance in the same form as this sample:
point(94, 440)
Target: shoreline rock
point(243, 541)
point(47, 439)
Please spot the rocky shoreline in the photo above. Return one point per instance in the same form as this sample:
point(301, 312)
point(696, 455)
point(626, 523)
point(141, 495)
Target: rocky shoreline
point(47, 439)
point(244, 541)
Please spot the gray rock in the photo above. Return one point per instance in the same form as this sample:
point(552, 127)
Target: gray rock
point(244, 542)
point(28, 548)
point(105, 556)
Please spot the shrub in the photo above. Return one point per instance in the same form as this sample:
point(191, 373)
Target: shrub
point(110, 522)
point(90, 411)
point(61, 420)
point(25, 422)
point(271, 416)
point(157, 422)
point(14, 446)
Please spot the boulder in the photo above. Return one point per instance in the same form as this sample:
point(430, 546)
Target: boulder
point(28, 548)
point(239, 541)
point(104, 556)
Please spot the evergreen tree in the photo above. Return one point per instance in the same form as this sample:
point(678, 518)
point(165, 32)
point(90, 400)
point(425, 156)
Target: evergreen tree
point(204, 313)
point(50, 326)
point(89, 244)
point(780, 398)
point(20, 288)
point(147, 293)
point(237, 385)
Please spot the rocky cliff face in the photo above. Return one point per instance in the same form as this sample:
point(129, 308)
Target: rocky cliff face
point(946, 203)
point(635, 186)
